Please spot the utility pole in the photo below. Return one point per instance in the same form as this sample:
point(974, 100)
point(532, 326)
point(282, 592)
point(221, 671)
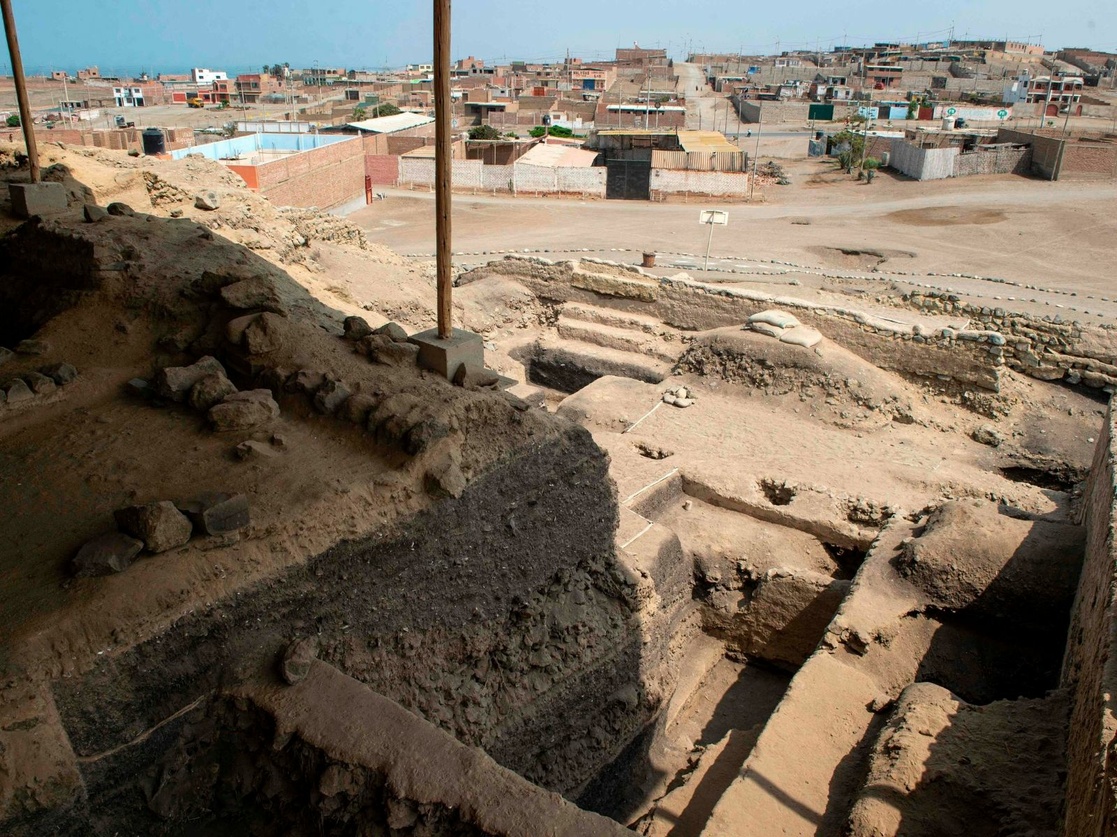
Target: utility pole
point(21, 90)
point(756, 155)
point(443, 165)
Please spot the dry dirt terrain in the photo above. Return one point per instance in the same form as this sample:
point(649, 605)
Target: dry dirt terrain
point(771, 549)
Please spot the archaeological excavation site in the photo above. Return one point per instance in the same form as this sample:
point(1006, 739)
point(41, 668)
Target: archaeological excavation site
point(682, 557)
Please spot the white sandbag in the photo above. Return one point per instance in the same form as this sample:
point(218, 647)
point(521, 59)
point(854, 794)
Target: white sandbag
point(801, 336)
point(780, 319)
point(767, 328)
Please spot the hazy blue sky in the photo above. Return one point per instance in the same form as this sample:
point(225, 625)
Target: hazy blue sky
point(160, 35)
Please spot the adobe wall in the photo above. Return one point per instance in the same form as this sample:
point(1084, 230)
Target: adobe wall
point(1090, 665)
point(1046, 349)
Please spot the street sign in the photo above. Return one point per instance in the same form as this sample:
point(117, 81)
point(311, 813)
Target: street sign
point(713, 216)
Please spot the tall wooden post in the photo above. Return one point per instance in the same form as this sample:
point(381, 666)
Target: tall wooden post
point(443, 164)
point(21, 89)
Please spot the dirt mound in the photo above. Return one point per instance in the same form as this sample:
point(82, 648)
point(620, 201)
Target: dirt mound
point(849, 390)
point(944, 768)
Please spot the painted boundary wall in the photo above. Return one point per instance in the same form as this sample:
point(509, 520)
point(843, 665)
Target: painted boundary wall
point(518, 178)
point(922, 163)
point(714, 183)
point(1090, 664)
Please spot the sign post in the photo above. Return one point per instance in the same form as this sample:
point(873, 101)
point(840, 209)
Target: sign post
point(712, 218)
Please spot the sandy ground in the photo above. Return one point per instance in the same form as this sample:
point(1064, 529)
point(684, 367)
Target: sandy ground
point(1052, 236)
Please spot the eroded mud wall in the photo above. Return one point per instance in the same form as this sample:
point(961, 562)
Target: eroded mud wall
point(1090, 669)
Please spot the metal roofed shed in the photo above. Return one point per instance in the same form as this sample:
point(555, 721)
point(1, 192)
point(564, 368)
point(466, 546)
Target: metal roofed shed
point(558, 156)
point(705, 141)
point(392, 124)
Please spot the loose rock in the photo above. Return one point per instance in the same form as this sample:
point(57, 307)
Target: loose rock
point(393, 330)
point(252, 448)
point(175, 382)
point(244, 411)
point(264, 334)
point(207, 200)
point(330, 396)
point(159, 525)
point(33, 346)
point(988, 435)
point(60, 373)
point(216, 513)
point(106, 554)
point(210, 390)
point(40, 384)
point(94, 213)
point(356, 328)
point(297, 659)
point(19, 391)
point(118, 208)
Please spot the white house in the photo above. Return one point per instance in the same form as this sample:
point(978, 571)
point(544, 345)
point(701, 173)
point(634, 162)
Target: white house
point(128, 97)
point(207, 77)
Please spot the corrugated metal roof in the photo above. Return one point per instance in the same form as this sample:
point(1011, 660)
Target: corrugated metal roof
point(391, 124)
point(705, 141)
point(553, 156)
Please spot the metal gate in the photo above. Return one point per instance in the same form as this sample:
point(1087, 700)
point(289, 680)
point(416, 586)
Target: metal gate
point(629, 180)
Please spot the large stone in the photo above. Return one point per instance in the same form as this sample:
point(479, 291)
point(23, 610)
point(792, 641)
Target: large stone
point(357, 407)
point(159, 525)
point(444, 478)
point(330, 396)
point(18, 391)
point(393, 330)
point(175, 382)
point(33, 346)
point(244, 411)
point(29, 199)
point(356, 328)
point(264, 334)
point(216, 513)
point(60, 373)
point(40, 384)
point(208, 200)
point(257, 292)
point(94, 213)
point(106, 554)
point(395, 354)
point(6, 355)
point(987, 434)
point(306, 381)
point(120, 209)
point(210, 390)
point(474, 377)
point(297, 659)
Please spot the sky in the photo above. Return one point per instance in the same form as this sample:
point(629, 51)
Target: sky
point(125, 37)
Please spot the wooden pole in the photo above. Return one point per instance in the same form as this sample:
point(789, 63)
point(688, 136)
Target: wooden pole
point(21, 90)
point(443, 165)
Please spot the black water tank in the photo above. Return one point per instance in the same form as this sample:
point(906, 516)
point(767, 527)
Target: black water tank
point(153, 141)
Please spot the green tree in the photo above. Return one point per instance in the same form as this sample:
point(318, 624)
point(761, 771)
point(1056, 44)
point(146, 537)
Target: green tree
point(359, 113)
point(851, 154)
point(13, 121)
point(484, 132)
point(870, 166)
point(386, 109)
